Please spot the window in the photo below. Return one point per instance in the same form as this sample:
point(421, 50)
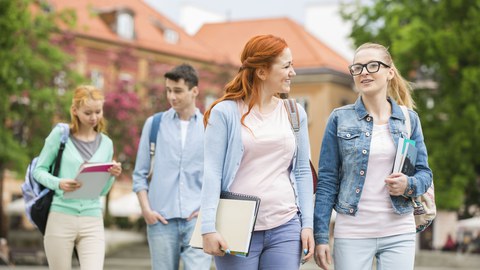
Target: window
point(125, 25)
point(209, 99)
point(304, 102)
point(60, 82)
point(96, 77)
point(171, 36)
point(126, 81)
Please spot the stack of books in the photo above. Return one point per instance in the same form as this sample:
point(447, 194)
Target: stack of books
point(406, 157)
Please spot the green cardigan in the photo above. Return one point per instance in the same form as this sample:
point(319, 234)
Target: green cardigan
point(71, 161)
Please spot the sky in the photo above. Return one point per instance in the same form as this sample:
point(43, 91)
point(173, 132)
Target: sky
point(318, 20)
point(239, 9)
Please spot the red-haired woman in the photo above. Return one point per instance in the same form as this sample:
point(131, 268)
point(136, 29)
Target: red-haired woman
point(250, 148)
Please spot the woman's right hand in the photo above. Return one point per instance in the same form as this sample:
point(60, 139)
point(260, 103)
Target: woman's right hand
point(322, 256)
point(214, 244)
point(69, 185)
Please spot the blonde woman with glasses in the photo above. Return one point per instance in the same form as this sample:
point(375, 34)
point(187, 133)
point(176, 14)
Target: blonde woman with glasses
point(374, 210)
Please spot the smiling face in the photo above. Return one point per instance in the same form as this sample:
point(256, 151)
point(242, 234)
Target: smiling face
point(278, 78)
point(179, 95)
point(372, 83)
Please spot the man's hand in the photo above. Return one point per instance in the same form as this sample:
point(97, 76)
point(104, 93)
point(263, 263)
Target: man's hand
point(151, 217)
point(193, 215)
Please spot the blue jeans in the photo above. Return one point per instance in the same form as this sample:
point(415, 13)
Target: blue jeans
point(395, 252)
point(276, 249)
point(168, 243)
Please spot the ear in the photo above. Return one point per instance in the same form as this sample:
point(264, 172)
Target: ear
point(391, 74)
point(261, 73)
point(195, 91)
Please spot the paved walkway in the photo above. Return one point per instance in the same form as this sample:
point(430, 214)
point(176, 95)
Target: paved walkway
point(129, 251)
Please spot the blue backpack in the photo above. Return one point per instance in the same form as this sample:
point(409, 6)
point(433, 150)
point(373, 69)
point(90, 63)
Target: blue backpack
point(37, 197)
point(157, 118)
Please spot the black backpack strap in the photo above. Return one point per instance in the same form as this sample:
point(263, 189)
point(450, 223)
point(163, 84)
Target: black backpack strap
point(63, 140)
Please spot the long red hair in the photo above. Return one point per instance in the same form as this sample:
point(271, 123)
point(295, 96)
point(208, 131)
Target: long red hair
point(259, 52)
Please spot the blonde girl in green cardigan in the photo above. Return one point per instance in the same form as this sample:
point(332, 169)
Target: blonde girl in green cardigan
point(77, 222)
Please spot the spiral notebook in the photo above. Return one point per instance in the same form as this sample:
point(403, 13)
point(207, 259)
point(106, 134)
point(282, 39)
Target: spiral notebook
point(236, 216)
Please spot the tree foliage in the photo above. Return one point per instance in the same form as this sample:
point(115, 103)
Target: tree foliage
point(34, 74)
point(435, 41)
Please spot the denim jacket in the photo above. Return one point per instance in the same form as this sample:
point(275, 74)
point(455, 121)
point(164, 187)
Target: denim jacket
point(344, 159)
point(223, 154)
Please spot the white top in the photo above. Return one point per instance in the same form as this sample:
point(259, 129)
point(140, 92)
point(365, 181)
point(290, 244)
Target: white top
point(184, 128)
point(269, 145)
point(375, 217)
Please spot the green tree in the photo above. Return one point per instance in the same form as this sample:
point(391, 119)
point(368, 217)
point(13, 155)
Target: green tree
point(435, 41)
point(33, 78)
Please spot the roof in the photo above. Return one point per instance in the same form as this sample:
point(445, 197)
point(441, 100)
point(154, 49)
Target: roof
point(149, 27)
point(308, 52)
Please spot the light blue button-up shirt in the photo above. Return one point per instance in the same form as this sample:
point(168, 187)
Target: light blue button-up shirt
point(175, 189)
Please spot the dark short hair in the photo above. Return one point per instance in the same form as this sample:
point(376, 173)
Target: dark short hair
point(185, 72)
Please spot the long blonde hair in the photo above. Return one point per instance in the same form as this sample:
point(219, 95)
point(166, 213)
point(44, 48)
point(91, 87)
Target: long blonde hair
point(259, 52)
point(398, 88)
point(82, 95)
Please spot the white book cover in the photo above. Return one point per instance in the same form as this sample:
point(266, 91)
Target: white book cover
point(94, 177)
point(398, 155)
point(235, 222)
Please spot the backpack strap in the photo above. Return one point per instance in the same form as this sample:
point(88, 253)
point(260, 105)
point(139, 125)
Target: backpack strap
point(408, 124)
point(63, 140)
point(157, 118)
point(291, 106)
point(294, 117)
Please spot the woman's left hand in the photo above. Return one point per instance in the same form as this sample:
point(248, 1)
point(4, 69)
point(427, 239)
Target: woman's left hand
point(116, 169)
point(308, 244)
point(396, 184)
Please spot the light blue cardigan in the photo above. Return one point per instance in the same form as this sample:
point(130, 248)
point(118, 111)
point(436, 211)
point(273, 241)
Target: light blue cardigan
point(224, 151)
point(71, 161)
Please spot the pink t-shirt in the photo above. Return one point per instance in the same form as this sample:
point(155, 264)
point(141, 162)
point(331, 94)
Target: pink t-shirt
point(375, 216)
point(269, 145)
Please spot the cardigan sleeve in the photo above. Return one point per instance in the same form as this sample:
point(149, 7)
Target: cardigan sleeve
point(47, 158)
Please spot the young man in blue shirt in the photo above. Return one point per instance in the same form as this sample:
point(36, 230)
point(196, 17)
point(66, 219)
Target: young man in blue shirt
point(171, 200)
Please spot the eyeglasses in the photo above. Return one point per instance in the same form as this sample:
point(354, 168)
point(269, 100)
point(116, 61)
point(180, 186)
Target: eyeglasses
point(372, 67)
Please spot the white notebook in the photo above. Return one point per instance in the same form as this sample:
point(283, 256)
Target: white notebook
point(236, 216)
point(94, 177)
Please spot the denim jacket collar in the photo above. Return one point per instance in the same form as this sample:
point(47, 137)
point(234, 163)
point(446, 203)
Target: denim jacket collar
point(361, 111)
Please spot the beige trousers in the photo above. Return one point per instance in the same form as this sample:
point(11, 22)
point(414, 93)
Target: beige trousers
point(64, 231)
